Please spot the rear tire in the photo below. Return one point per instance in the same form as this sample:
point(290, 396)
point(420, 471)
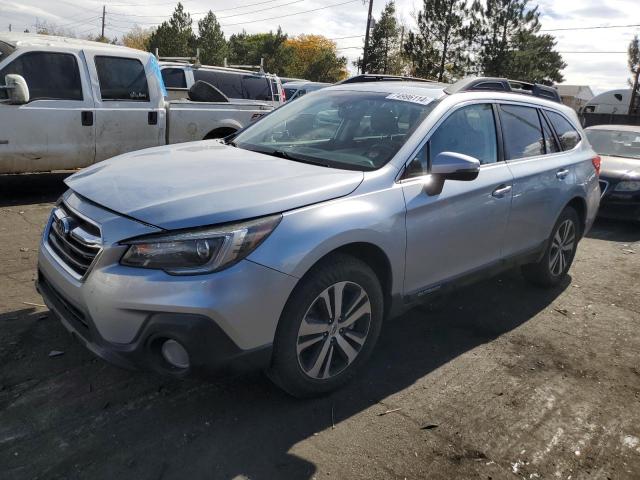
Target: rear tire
point(561, 250)
point(317, 347)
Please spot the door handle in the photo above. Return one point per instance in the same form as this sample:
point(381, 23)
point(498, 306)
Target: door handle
point(152, 118)
point(562, 173)
point(86, 118)
point(501, 191)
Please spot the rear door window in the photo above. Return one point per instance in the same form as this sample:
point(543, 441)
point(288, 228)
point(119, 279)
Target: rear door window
point(208, 76)
point(174, 78)
point(49, 76)
point(568, 135)
point(122, 79)
point(521, 131)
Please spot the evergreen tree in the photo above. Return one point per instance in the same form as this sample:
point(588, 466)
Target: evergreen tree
point(440, 47)
point(247, 49)
point(509, 44)
point(213, 46)
point(634, 67)
point(384, 53)
point(175, 38)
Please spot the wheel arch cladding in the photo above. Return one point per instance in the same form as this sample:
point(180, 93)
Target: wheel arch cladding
point(580, 206)
point(373, 256)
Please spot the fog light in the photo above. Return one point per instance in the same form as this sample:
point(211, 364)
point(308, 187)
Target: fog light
point(175, 354)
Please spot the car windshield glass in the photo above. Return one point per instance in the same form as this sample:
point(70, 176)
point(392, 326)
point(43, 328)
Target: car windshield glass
point(5, 51)
point(339, 128)
point(617, 143)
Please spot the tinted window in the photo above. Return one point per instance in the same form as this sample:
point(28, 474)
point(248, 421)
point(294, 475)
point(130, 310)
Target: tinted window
point(174, 78)
point(122, 79)
point(469, 130)
point(50, 76)
point(206, 76)
point(550, 143)
point(521, 131)
point(568, 135)
point(256, 87)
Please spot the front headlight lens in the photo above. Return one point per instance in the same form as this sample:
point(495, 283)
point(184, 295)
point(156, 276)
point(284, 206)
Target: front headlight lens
point(199, 251)
point(628, 186)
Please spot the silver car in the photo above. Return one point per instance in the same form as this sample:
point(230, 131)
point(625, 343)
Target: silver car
point(287, 245)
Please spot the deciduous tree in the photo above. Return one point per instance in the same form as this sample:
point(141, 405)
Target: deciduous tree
point(315, 58)
point(634, 67)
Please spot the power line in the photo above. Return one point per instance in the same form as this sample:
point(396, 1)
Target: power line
point(201, 13)
point(589, 28)
point(290, 14)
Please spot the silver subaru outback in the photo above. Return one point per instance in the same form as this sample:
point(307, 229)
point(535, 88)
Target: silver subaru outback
point(286, 245)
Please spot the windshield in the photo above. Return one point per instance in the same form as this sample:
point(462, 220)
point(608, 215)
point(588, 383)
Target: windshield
point(339, 128)
point(617, 143)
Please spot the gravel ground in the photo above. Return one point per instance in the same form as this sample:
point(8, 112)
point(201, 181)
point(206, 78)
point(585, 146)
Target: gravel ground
point(500, 380)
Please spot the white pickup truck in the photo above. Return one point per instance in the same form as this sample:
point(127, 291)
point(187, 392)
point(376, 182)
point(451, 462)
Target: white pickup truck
point(68, 103)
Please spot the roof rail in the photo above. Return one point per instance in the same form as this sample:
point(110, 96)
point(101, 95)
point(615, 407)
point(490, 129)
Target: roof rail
point(260, 67)
point(379, 77)
point(193, 60)
point(494, 84)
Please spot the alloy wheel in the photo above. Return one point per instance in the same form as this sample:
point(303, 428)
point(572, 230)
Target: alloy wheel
point(562, 247)
point(333, 330)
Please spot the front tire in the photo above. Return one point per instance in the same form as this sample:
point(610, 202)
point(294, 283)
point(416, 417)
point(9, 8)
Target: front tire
point(561, 250)
point(328, 328)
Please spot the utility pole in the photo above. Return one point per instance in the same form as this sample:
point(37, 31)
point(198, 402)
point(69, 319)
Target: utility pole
point(104, 12)
point(9, 27)
point(366, 39)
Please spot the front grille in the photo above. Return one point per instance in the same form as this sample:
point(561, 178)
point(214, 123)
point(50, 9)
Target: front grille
point(70, 312)
point(74, 240)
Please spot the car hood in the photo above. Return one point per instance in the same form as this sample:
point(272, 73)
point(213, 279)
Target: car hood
point(619, 167)
point(206, 183)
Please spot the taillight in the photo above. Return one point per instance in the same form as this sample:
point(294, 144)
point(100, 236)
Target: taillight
point(284, 95)
point(596, 164)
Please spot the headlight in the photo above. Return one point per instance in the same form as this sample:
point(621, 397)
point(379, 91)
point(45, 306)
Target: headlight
point(628, 186)
point(199, 251)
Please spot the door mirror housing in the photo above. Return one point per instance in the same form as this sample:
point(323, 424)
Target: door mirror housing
point(455, 166)
point(451, 166)
point(17, 89)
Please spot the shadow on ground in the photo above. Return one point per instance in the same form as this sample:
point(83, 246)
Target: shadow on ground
point(615, 230)
point(27, 189)
point(74, 416)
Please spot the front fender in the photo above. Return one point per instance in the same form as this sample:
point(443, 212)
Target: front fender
point(308, 234)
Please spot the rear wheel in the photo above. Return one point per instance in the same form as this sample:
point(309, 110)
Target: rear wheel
point(560, 252)
point(328, 328)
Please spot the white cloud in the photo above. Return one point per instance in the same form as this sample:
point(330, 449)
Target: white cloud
point(600, 71)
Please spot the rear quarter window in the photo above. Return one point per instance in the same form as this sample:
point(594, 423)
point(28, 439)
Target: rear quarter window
point(568, 135)
point(122, 79)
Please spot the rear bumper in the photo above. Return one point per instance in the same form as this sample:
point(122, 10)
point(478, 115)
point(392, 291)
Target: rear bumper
point(210, 348)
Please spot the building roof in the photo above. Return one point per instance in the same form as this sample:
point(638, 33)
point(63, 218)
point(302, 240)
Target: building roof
point(619, 128)
point(581, 91)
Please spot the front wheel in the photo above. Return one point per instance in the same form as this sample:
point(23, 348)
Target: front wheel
point(328, 328)
point(560, 252)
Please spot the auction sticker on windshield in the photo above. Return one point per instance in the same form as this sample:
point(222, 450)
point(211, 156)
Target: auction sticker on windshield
point(407, 97)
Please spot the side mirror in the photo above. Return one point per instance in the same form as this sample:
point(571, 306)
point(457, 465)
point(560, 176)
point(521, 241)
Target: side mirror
point(451, 166)
point(17, 89)
point(455, 166)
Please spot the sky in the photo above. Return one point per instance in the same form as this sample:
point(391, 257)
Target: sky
point(344, 21)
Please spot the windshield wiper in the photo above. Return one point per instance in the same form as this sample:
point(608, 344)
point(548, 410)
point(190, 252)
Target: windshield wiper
point(295, 158)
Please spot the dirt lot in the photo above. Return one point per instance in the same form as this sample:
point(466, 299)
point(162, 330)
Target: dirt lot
point(500, 380)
